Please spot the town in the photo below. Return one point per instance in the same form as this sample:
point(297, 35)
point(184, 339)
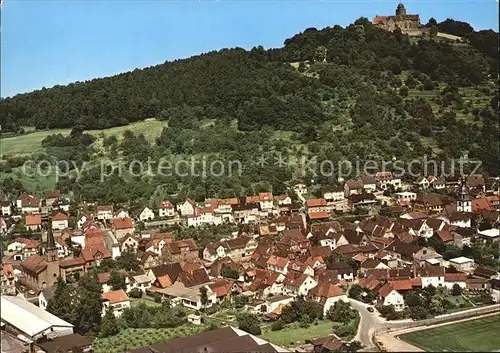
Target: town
point(374, 246)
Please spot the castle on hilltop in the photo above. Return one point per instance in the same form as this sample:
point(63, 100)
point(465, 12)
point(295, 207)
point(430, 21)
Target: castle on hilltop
point(409, 24)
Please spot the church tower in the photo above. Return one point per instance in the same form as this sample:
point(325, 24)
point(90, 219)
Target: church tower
point(464, 203)
point(401, 10)
point(50, 250)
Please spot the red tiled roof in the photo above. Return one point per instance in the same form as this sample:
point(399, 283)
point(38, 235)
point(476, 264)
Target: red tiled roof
point(29, 201)
point(8, 271)
point(166, 204)
point(221, 287)
point(33, 220)
point(444, 235)
point(385, 290)
point(103, 277)
point(252, 199)
point(265, 196)
point(115, 296)
point(105, 208)
point(31, 244)
point(481, 204)
point(277, 261)
point(34, 263)
point(90, 252)
point(77, 261)
point(60, 216)
point(327, 290)
point(123, 223)
point(318, 215)
point(455, 277)
point(315, 203)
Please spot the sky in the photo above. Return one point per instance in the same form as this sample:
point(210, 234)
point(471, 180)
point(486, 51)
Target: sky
point(50, 42)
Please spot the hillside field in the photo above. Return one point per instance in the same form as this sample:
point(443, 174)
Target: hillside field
point(23, 145)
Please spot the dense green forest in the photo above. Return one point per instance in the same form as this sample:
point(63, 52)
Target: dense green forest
point(336, 93)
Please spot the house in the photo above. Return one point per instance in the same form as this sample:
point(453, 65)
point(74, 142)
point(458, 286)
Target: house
point(116, 300)
point(284, 204)
point(372, 264)
point(223, 289)
point(389, 296)
point(187, 208)
point(44, 297)
point(333, 193)
point(66, 344)
point(426, 254)
point(129, 243)
point(29, 204)
point(166, 209)
point(495, 290)
point(298, 285)
point(352, 187)
point(430, 202)
point(60, 221)
point(369, 184)
point(477, 284)
point(147, 259)
point(463, 264)
point(82, 220)
point(344, 270)
point(450, 279)
point(122, 226)
point(493, 234)
point(7, 279)
point(318, 216)
point(327, 294)
point(27, 247)
point(361, 200)
point(300, 189)
point(181, 250)
point(51, 196)
point(105, 212)
point(146, 214)
point(61, 204)
point(278, 264)
point(3, 225)
point(246, 212)
point(33, 222)
point(156, 243)
point(190, 297)
point(276, 301)
point(405, 198)
point(165, 275)
point(122, 214)
point(438, 183)
point(236, 248)
point(431, 275)
point(205, 215)
point(327, 344)
point(317, 205)
point(266, 201)
point(386, 178)
point(62, 249)
point(6, 208)
point(484, 272)
point(422, 182)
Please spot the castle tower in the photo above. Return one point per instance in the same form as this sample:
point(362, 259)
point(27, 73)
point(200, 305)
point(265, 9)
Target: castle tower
point(464, 202)
point(400, 10)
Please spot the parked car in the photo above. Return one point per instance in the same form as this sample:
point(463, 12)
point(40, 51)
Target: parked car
point(370, 309)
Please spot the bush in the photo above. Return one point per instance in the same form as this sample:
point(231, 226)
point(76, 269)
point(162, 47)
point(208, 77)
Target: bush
point(255, 330)
point(135, 293)
point(277, 325)
point(344, 331)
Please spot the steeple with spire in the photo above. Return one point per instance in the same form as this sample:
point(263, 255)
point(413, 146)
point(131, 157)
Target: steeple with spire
point(51, 250)
point(400, 10)
point(464, 203)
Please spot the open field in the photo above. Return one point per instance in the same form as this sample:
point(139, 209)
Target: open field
point(290, 335)
point(32, 142)
point(136, 337)
point(473, 335)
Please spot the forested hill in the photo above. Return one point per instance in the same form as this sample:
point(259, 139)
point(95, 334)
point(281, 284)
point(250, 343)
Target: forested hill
point(258, 87)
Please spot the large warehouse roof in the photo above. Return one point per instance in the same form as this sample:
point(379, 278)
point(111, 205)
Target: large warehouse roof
point(28, 317)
